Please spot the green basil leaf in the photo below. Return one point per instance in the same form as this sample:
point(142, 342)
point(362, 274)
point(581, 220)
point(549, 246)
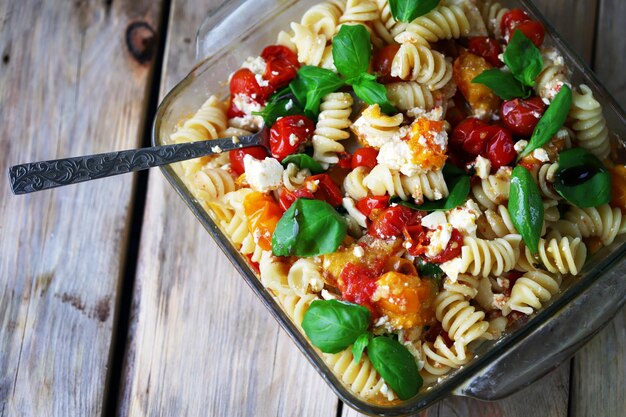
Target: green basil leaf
point(526, 207)
point(308, 228)
point(408, 10)
point(303, 161)
point(429, 270)
point(352, 50)
point(503, 84)
point(360, 344)
point(523, 58)
point(396, 365)
point(582, 179)
point(333, 325)
point(282, 103)
point(372, 92)
point(551, 121)
point(458, 183)
point(313, 83)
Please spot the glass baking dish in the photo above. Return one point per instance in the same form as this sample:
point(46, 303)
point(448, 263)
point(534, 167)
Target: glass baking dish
point(500, 367)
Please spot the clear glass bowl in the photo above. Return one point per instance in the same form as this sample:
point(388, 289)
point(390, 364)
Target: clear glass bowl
point(500, 367)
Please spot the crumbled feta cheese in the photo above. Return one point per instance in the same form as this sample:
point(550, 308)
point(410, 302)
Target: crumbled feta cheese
point(501, 302)
point(384, 390)
point(464, 218)
point(381, 292)
point(453, 268)
point(358, 251)
point(396, 155)
point(327, 295)
point(520, 145)
point(246, 104)
point(216, 149)
point(262, 82)
point(434, 219)
point(289, 105)
point(293, 139)
point(255, 64)
point(504, 283)
point(541, 155)
point(483, 167)
point(263, 175)
point(439, 239)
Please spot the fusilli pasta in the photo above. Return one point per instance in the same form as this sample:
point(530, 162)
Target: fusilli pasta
point(589, 124)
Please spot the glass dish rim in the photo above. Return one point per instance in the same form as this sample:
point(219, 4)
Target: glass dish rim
point(459, 376)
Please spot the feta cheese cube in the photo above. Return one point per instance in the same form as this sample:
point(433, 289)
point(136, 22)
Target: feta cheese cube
point(263, 175)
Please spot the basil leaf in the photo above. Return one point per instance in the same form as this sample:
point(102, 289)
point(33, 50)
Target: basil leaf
point(396, 365)
point(551, 121)
point(303, 161)
point(352, 50)
point(313, 83)
point(333, 325)
point(526, 207)
point(360, 345)
point(408, 10)
point(582, 179)
point(458, 186)
point(523, 58)
point(282, 103)
point(429, 270)
point(503, 84)
point(308, 228)
point(372, 92)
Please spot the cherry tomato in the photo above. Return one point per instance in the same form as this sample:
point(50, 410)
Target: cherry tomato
point(510, 20)
point(452, 250)
point(287, 198)
point(368, 204)
point(288, 133)
point(392, 221)
point(417, 239)
point(236, 157)
point(486, 47)
point(327, 190)
point(500, 149)
point(467, 136)
point(281, 65)
point(364, 157)
point(243, 82)
point(263, 215)
point(382, 63)
point(357, 284)
point(533, 30)
point(521, 116)
point(345, 160)
point(410, 301)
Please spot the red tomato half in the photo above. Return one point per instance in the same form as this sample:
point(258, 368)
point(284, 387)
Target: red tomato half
point(486, 47)
point(345, 160)
point(281, 65)
point(287, 198)
point(521, 116)
point(288, 133)
point(327, 190)
point(452, 250)
point(382, 63)
point(368, 204)
point(467, 136)
point(511, 20)
point(364, 157)
point(500, 148)
point(392, 221)
point(236, 157)
point(533, 30)
point(243, 82)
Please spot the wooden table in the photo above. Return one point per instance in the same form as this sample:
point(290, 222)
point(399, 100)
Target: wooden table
point(113, 299)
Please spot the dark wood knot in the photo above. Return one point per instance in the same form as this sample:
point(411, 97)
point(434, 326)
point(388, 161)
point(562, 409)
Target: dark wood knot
point(141, 41)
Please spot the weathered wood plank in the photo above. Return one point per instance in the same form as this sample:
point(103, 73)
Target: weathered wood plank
point(201, 342)
point(610, 46)
point(68, 86)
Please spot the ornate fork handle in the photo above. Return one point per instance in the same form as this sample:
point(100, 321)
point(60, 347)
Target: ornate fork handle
point(36, 176)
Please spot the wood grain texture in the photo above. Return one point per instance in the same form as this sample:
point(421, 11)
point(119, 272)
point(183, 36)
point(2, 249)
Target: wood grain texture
point(610, 46)
point(201, 342)
point(68, 86)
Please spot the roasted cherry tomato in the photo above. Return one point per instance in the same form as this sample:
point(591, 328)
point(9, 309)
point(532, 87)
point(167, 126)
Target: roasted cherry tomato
point(368, 204)
point(409, 301)
point(486, 47)
point(364, 157)
point(467, 136)
point(452, 250)
point(382, 63)
point(357, 284)
point(287, 198)
point(511, 20)
point(263, 214)
point(288, 133)
point(327, 190)
point(521, 116)
point(345, 160)
point(236, 157)
point(281, 65)
point(392, 221)
point(500, 149)
point(533, 30)
point(243, 82)
point(416, 238)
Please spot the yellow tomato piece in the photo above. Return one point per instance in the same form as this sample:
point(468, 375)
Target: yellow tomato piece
point(263, 214)
point(618, 186)
point(427, 152)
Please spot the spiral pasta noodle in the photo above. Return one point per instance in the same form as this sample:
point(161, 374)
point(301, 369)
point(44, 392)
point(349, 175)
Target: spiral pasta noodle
point(386, 27)
point(353, 213)
point(545, 177)
point(331, 127)
point(564, 255)
point(466, 285)
point(492, 13)
point(305, 277)
point(372, 124)
point(553, 75)
point(359, 11)
point(294, 178)
point(421, 64)
point(310, 46)
point(481, 257)
point(409, 95)
point(322, 19)
point(205, 124)
point(439, 359)
point(493, 190)
point(296, 305)
point(563, 227)
point(459, 319)
point(274, 274)
point(444, 22)
point(604, 221)
point(360, 377)
point(589, 123)
point(532, 290)
point(212, 184)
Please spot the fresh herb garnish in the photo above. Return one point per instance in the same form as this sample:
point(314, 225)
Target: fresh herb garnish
point(313, 83)
point(458, 183)
point(373, 92)
point(396, 365)
point(523, 58)
point(551, 121)
point(360, 344)
point(526, 207)
point(282, 103)
point(582, 179)
point(303, 161)
point(333, 325)
point(429, 270)
point(503, 84)
point(408, 10)
point(308, 228)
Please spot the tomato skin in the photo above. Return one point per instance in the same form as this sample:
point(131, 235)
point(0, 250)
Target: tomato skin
point(382, 63)
point(417, 239)
point(357, 284)
point(287, 198)
point(467, 136)
point(263, 214)
point(280, 143)
point(486, 47)
point(327, 189)
point(364, 157)
point(236, 157)
point(511, 20)
point(533, 30)
point(452, 250)
point(345, 160)
point(243, 82)
point(500, 149)
point(281, 65)
point(392, 221)
point(368, 204)
point(521, 116)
